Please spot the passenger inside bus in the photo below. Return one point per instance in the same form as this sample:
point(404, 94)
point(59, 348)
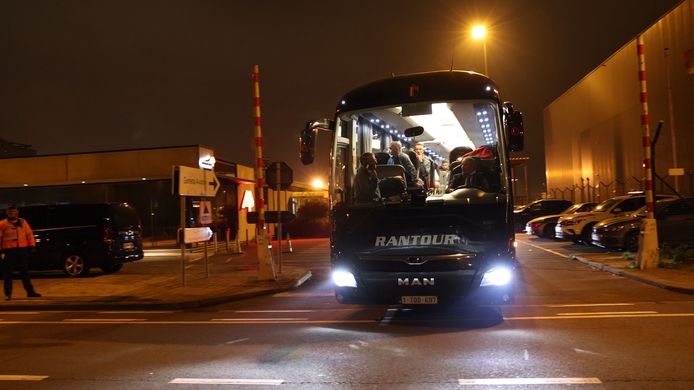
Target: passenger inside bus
point(366, 180)
point(470, 177)
point(397, 157)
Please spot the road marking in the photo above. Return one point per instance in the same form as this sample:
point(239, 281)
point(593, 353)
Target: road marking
point(528, 381)
point(237, 341)
point(548, 250)
point(138, 312)
point(269, 321)
point(227, 381)
point(144, 322)
point(599, 316)
point(103, 319)
point(590, 304)
point(33, 378)
point(19, 312)
point(275, 311)
point(260, 319)
point(606, 313)
point(303, 294)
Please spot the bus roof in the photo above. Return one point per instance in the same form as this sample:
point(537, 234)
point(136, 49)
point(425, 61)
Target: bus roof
point(420, 87)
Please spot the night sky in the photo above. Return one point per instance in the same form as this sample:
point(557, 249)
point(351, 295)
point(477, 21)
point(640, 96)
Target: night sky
point(79, 76)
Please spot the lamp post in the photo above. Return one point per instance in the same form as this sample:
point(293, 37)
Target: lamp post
point(479, 33)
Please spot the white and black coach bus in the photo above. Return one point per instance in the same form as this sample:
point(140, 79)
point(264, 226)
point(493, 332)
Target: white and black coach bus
point(422, 239)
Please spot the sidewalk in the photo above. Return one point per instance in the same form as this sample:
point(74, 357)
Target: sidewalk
point(680, 280)
point(155, 282)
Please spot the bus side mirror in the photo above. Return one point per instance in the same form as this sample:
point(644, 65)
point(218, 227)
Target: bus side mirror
point(514, 128)
point(307, 139)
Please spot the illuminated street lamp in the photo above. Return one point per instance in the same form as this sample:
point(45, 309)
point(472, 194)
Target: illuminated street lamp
point(479, 33)
point(317, 183)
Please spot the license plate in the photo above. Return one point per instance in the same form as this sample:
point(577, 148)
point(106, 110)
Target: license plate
point(595, 237)
point(128, 245)
point(419, 300)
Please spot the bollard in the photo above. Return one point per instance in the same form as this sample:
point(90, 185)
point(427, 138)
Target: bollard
point(214, 236)
point(289, 244)
point(237, 244)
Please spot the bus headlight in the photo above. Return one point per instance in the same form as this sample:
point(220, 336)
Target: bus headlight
point(344, 279)
point(497, 276)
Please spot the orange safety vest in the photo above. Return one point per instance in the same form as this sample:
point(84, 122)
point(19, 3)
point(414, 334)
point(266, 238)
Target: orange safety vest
point(16, 236)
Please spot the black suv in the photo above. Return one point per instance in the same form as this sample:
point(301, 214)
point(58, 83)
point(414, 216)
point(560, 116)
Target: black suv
point(77, 237)
point(538, 208)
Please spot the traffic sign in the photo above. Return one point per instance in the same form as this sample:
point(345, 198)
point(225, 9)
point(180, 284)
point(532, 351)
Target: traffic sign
point(205, 216)
point(196, 182)
point(199, 234)
point(286, 175)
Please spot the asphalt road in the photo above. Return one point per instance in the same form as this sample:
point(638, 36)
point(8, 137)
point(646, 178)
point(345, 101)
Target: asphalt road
point(571, 327)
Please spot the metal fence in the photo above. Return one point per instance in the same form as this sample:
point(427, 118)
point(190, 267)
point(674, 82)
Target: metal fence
point(588, 191)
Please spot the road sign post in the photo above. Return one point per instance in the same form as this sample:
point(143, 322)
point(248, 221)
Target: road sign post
point(190, 181)
point(279, 176)
point(284, 178)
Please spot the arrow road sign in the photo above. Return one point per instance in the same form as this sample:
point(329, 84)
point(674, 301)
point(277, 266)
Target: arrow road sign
point(196, 182)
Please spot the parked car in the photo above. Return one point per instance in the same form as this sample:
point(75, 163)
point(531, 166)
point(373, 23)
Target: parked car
point(538, 208)
point(77, 237)
point(579, 227)
point(675, 226)
point(544, 226)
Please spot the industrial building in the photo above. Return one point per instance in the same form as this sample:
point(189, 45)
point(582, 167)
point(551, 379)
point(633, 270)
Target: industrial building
point(593, 132)
point(143, 178)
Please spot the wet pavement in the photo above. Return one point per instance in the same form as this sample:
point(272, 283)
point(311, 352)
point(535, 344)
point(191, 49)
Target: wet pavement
point(155, 282)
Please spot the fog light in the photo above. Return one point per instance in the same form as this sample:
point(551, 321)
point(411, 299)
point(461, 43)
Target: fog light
point(498, 276)
point(344, 279)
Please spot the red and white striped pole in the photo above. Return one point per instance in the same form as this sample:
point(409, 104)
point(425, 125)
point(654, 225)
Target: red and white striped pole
point(266, 268)
point(644, 125)
point(648, 255)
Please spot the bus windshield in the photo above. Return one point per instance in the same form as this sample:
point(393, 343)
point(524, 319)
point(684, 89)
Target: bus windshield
point(439, 150)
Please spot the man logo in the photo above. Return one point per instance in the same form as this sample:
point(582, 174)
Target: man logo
point(416, 282)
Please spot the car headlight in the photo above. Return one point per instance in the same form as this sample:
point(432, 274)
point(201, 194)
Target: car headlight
point(614, 228)
point(343, 278)
point(497, 276)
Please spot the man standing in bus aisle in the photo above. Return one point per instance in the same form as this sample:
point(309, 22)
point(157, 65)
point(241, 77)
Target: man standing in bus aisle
point(397, 157)
point(470, 176)
point(16, 240)
point(444, 174)
point(427, 169)
point(366, 180)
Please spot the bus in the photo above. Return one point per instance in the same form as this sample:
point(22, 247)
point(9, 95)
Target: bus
point(418, 239)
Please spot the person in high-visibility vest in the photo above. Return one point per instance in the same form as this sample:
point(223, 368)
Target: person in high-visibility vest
point(16, 240)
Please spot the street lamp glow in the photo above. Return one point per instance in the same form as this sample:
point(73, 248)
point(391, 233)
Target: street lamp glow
point(479, 32)
point(317, 183)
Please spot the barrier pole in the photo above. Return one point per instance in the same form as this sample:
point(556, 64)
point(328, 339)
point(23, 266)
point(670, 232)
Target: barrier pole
point(181, 238)
point(266, 267)
point(648, 256)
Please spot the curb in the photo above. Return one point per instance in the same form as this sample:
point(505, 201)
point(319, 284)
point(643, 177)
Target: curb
point(177, 305)
point(631, 276)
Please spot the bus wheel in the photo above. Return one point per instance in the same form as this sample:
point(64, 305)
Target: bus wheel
point(74, 265)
